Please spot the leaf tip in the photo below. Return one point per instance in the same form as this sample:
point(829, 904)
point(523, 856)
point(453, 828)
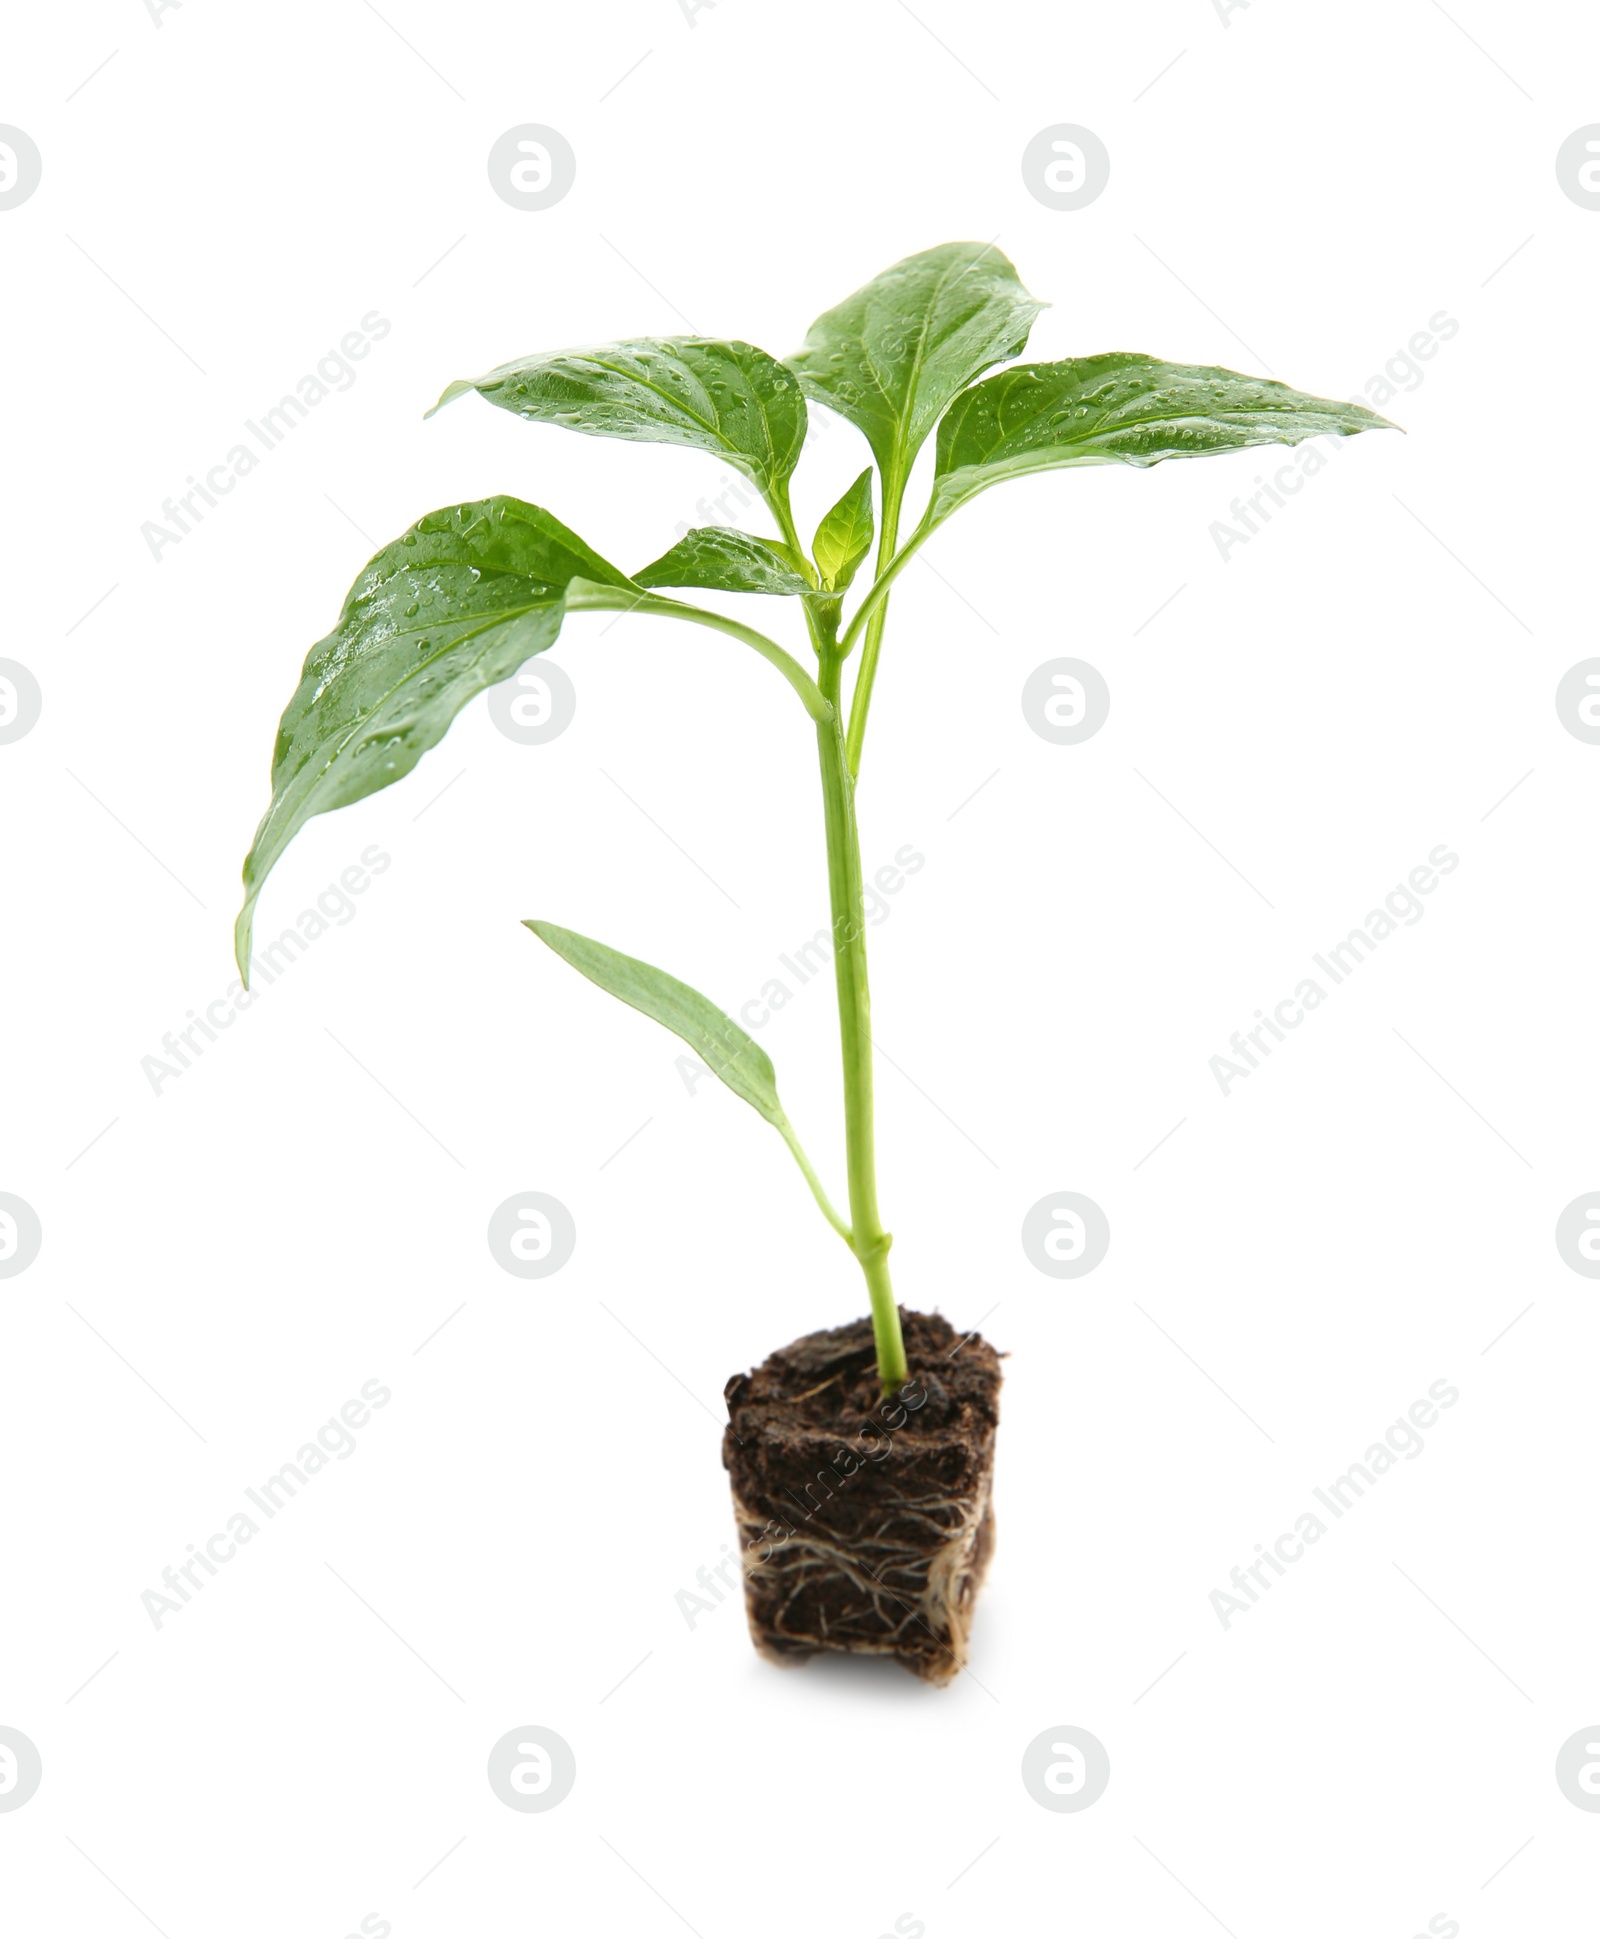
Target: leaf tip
point(241, 940)
point(449, 395)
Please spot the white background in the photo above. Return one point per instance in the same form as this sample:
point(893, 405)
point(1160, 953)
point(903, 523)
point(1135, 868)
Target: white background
point(301, 1210)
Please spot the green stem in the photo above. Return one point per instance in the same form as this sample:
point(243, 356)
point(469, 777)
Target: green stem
point(874, 614)
point(871, 615)
point(879, 590)
point(824, 711)
point(868, 1240)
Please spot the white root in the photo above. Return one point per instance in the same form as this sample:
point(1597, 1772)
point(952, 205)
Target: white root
point(915, 1602)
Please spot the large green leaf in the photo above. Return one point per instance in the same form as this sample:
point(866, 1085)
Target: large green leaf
point(892, 356)
point(716, 1039)
point(454, 606)
point(712, 393)
point(1122, 408)
point(720, 559)
point(845, 535)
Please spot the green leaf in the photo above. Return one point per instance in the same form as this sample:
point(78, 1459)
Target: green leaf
point(1121, 408)
point(892, 356)
point(454, 606)
point(719, 559)
point(845, 536)
point(711, 393)
point(715, 1039)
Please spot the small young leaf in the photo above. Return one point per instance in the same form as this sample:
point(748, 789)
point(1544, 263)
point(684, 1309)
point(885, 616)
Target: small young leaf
point(711, 393)
point(720, 559)
point(845, 536)
point(892, 356)
point(716, 1039)
point(1120, 408)
point(452, 607)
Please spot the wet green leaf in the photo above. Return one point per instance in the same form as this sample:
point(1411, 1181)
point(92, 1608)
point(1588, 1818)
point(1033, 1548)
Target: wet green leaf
point(455, 605)
point(892, 356)
point(719, 559)
point(711, 393)
point(1122, 408)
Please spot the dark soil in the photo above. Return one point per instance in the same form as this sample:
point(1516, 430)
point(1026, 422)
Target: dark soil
point(865, 1523)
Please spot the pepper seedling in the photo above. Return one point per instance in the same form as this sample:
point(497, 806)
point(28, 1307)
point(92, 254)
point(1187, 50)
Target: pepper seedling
point(472, 592)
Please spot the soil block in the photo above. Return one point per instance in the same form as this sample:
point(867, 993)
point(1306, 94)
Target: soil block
point(865, 1524)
